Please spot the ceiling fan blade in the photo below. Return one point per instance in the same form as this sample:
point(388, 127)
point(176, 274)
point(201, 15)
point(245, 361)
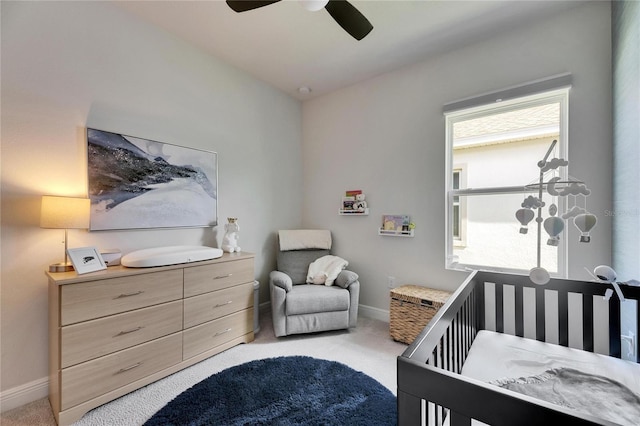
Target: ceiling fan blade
point(244, 5)
point(349, 18)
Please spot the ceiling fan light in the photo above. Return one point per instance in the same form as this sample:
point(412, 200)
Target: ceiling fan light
point(313, 5)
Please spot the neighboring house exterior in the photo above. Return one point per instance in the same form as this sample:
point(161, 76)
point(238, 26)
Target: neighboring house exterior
point(498, 151)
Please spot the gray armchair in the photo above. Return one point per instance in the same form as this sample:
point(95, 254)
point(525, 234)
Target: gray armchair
point(298, 307)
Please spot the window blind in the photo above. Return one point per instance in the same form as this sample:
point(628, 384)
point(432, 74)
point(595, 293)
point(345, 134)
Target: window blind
point(556, 82)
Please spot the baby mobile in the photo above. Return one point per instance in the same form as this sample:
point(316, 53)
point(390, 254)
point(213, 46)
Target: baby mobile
point(554, 224)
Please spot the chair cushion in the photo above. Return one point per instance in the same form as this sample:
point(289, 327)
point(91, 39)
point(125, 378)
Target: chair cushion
point(309, 299)
point(295, 263)
point(303, 239)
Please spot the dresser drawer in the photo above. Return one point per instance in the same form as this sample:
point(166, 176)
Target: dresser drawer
point(206, 278)
point(211, 334)
point(209, 306)
point(95, 299)
point(93, 339)
point(93, 378)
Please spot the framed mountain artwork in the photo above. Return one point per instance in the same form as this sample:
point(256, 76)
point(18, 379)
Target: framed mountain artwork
point(137, 183)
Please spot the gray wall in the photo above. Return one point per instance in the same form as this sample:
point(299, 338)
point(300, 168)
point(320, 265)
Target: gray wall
point(67, 65)
point(626, 139)
point(386, 137)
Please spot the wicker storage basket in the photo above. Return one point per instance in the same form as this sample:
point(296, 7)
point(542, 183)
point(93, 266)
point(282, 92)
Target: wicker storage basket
point(412, 307)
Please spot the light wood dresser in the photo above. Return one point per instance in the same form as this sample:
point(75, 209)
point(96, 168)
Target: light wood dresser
point(116, 330)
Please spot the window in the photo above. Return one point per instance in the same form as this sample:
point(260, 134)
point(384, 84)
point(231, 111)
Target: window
point(493, 153)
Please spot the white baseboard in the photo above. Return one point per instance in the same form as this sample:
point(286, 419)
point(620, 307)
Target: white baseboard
point(264, 307)
point(374, 313)
point(24, 394)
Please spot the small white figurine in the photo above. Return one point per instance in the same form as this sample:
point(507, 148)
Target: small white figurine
point(230, 240)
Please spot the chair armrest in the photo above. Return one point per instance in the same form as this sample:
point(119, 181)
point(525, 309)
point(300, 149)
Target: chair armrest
point(281, 280)
point(346, 278)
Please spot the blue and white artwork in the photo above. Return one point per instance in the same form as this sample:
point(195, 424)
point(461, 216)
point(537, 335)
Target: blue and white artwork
point(138, 183)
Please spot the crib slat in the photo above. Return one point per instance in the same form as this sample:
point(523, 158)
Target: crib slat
point(446, 351)
point(499, 308)
point(479, 308)
point(471, 323)
point(615, 346)
point(540, 315)
point(587, 322)
point(457, 345)
point(467, 330)
point(463, 338)
point(519, 296)
point(563, 318)
point(637, 329)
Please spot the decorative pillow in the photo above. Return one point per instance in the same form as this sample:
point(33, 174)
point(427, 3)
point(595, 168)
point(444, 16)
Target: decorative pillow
point(346, 278)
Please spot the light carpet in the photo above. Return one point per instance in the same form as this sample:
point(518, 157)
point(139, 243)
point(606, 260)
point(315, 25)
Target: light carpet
point(367, 348)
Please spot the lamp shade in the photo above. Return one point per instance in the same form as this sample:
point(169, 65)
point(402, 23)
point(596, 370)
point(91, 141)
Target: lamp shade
point(64, 212)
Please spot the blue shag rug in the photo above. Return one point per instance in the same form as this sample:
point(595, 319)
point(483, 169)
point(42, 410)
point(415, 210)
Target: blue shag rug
point(293, 390)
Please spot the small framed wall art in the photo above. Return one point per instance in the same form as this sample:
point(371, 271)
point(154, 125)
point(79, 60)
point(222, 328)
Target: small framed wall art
point(86, 259)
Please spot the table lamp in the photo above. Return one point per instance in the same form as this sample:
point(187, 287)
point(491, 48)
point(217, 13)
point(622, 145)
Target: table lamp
point(64, 213)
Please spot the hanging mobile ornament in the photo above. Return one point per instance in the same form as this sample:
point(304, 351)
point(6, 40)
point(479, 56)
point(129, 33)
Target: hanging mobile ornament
point(554, 226)
point(585, 223)
point(524, 216)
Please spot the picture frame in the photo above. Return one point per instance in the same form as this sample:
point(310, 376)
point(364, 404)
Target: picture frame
point(137, 183)
point(86, 259)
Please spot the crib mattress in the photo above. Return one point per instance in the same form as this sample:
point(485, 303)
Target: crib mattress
point(496, 357)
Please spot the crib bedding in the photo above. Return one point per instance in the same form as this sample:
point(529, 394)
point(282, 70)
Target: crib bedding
point(538, 369)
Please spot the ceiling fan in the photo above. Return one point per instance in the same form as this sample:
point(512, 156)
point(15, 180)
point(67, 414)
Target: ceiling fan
point(343, 12)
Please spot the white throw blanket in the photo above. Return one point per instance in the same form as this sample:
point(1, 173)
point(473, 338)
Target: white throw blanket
point(300, 239)
point(327, 268)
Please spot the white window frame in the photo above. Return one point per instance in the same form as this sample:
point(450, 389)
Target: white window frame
point(560, 95)
point(461, 240)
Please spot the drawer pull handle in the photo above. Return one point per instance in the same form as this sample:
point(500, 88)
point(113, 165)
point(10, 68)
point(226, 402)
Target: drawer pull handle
point(219, 277)
point(220, 305)
point(128, 294)
point(131, 367)
point(220, 333)
point(133, 330)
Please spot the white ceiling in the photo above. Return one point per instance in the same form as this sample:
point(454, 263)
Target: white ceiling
point(289, 47)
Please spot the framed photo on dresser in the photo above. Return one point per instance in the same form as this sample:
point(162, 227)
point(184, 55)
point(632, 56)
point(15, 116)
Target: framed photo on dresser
point(86, 259)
